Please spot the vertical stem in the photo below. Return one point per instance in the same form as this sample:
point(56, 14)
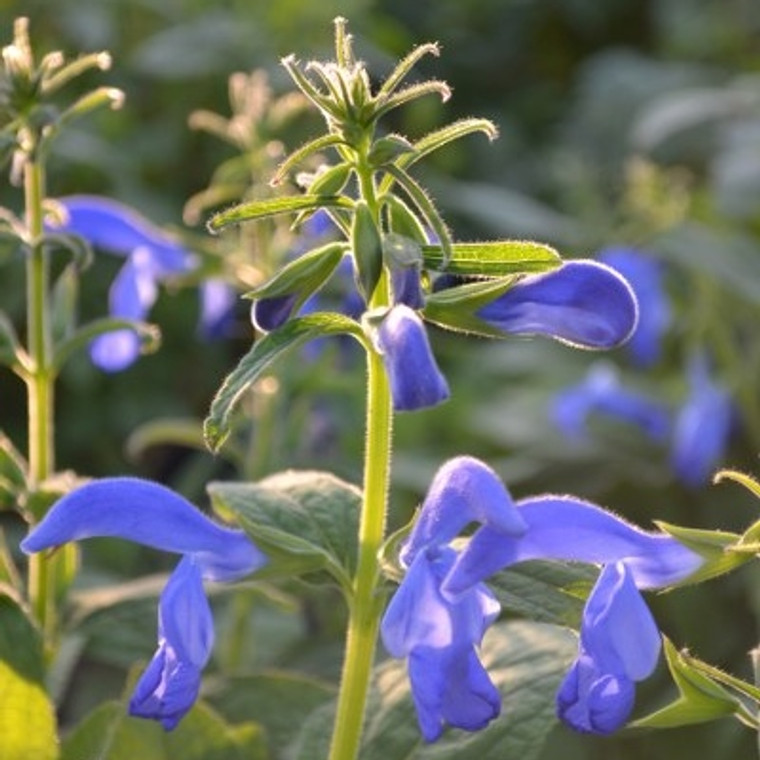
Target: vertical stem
point(364, 613)
point(39, 383)
point(755, 657)
point(366, 604)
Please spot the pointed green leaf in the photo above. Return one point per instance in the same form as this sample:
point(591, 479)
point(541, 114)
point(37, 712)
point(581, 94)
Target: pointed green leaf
point(304, 275)
point(700, 698)
point(443, 136)
point(714, 545)
point(13, 474)
point(403, 221)
point(750, 483)
point(388, 149)
point(27, 719)
point(305, 522)
point(247, 212)
point(455, 308)
point(330, 181)
point(262, 355)
point(526, 662)
point(367, 246)
point(496, 258)
point(11, 353)
point(109, 733)
point(302, 153)
point(64, 303)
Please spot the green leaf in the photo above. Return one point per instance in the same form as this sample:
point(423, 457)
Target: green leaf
point(750, 483)
point(367, 246)
point(277, 700)
point(262, 355)
point(388, 149)
point(11, 353)
point(330, 181)
point(304, 275)
point(455, 308)
point(27, 719)
point(717, 548)
point(298, 156)
point(305, 522)
point(546, 592)
point(493, 259)
point(64, 303)
point(261, 209)
point(700, 699)
point(13, 474)
point(526, 662)
point(109, 733)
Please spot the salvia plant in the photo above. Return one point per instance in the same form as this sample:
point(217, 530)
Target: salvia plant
point(433, 666)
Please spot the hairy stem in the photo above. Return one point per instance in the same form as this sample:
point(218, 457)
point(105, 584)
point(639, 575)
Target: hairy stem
point(40, 382)
point(366, 602)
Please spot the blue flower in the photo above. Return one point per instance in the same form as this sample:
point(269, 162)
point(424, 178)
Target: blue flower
point(415, 380)
point(619, 645)
point(702, 426)
point(583, 303)
point(155, 516)
point(601, 392)
point(439, 635)
point(152, 256)
point(442, 608)
point(218, 300)
point(645, 276)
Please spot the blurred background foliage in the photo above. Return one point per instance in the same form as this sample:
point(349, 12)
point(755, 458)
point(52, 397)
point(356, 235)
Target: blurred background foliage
point(628, 122)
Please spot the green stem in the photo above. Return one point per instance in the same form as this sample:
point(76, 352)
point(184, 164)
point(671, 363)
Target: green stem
point(364, 613)
point(365, 605)
point(39, 384)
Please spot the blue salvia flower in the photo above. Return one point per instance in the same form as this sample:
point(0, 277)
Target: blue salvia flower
point(150, 514)
point(415, 379)
point(442, 607)
point(601, 392)
point(702, 426)
point(151, 257)
point(582, 303)
point(439, 635)
point(645, 275)
point(619, 645)
point(218, 300)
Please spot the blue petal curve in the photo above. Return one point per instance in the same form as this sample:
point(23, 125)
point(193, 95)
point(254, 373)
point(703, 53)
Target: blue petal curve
point(150, 514)
point(464, 490)
point(415, 380)
point(119, 229)
point(583, 303)
point(565, 528)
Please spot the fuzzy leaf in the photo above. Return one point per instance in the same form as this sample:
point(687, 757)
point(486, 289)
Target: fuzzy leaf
point(367, 246)
point(304, 522)
point(262, 355)
point(493, 259)
point(525, 660)
point(288, 204)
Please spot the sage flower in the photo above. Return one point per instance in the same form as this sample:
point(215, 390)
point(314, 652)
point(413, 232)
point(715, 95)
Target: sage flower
point(151, 257)
point(438, 635)
point(645, 275)
point(702, 426)
point(150, 514)
point(582, 303)
point(602, 392)
point(443, 607)
point(415, 379)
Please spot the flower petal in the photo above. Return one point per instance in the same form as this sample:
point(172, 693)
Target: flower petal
point(583, 303)
point(119, 229)
point(150, 514)
point(601, 392)
point(270, 313)
point(451, 686)
point(702, 427)
point(416, 382)
point(645, 276)
point(565, 528)
point(464, 490)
